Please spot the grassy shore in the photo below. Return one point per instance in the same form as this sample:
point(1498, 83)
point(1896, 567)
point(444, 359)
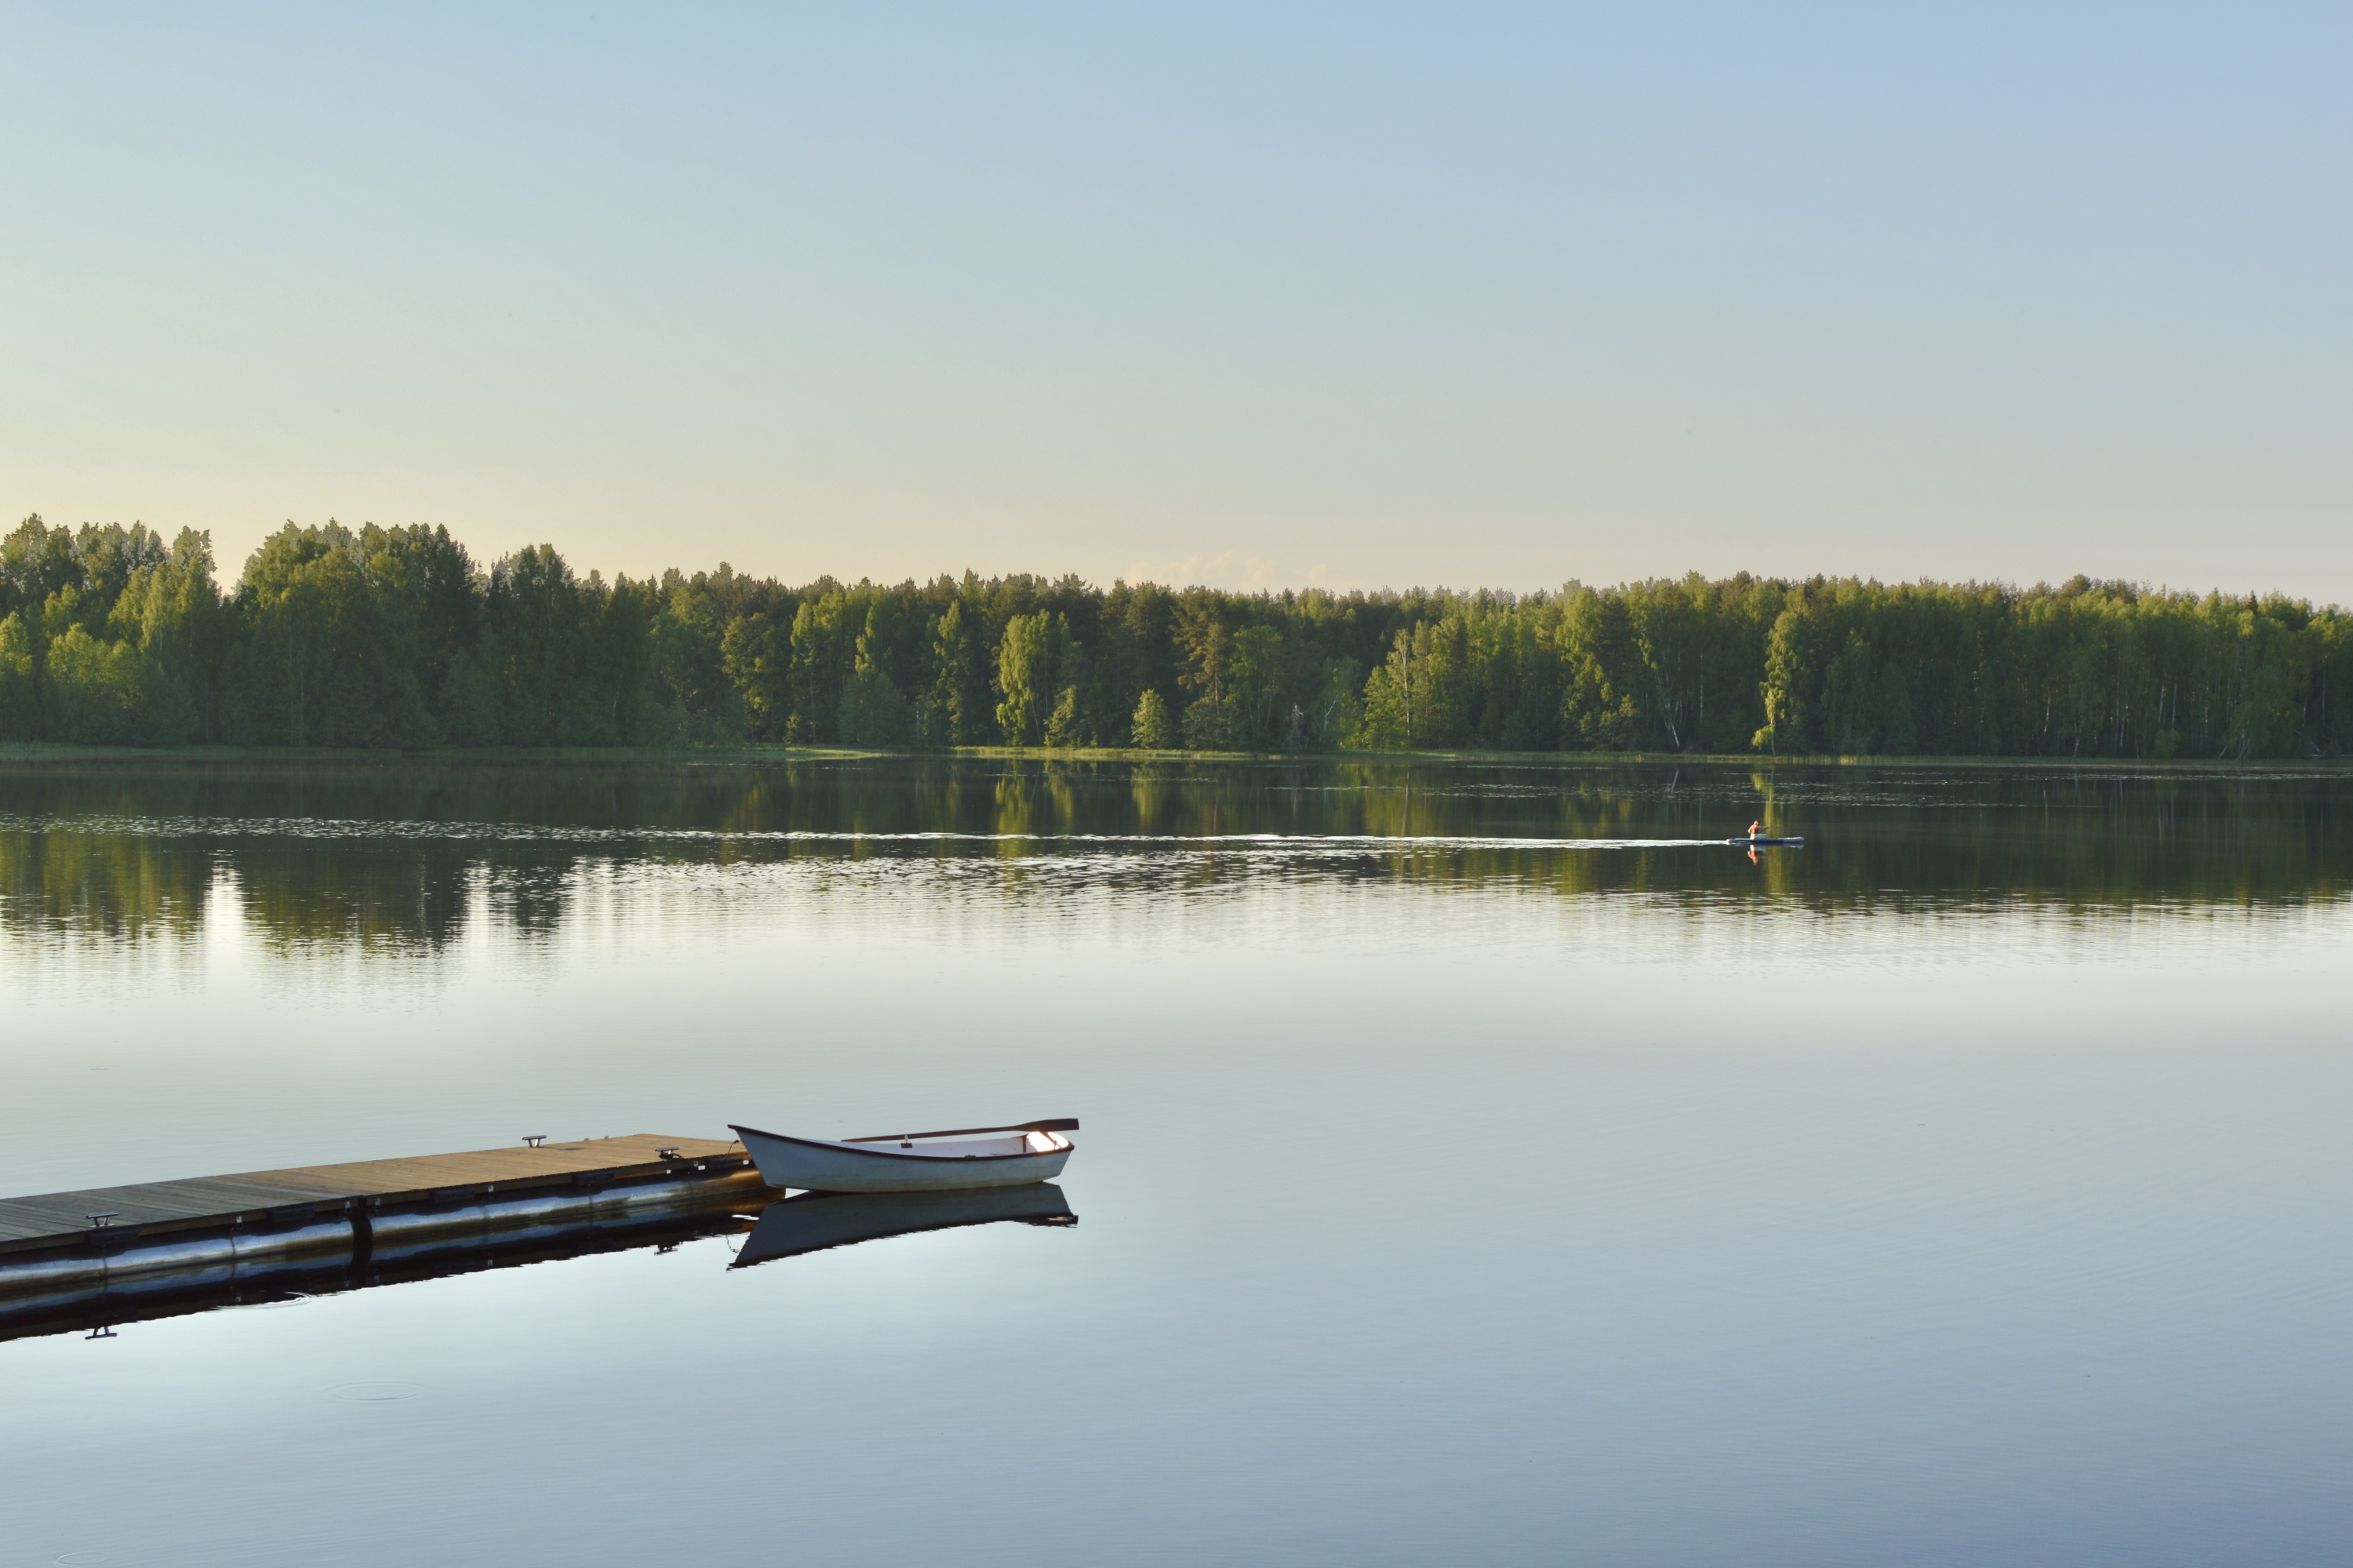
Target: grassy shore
point(48, 752)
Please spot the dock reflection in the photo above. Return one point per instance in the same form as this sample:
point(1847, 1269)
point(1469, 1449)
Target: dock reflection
point(36, 1302)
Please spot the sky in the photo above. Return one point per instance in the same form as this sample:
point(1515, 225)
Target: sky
point(1254, 296)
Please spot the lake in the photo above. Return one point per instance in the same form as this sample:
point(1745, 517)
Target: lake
point(1478, 1164)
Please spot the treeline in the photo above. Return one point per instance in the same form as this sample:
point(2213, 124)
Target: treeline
point(396, 637)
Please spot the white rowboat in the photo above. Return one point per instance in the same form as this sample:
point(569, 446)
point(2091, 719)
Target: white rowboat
point(913, 1162)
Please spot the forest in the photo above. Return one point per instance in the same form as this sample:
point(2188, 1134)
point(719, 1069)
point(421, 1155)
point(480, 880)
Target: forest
point(397, 637)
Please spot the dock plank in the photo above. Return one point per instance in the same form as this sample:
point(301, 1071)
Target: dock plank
point(51, 1214)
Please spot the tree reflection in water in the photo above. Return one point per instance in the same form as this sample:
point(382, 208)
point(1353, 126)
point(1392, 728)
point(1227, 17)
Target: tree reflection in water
point(404, 856)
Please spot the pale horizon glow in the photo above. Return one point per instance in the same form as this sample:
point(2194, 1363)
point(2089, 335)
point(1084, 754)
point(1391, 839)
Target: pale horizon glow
point(1259, 297)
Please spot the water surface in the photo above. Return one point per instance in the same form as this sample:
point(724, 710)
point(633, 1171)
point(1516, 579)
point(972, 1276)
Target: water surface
point(1479, 1166)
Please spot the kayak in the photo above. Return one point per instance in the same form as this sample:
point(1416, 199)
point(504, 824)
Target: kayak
point(1767, 843)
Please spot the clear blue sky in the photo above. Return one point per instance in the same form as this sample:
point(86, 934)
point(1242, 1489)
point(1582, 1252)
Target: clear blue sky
point(1264, 294)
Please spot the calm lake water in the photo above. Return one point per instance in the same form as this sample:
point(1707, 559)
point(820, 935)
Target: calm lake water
point(1478, 1166)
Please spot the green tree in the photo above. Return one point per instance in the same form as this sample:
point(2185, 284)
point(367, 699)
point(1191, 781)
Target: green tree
point(1416, 698)
point(171, 610)
point(1208, 725)
point(537, 616)
point(36, 561)
point(303, 605)
point(824, 636)
point(106, 692)
point(1204, 643)
point(959, 710)
point(1028, 664)
point(20, 695)
point(872, 711)
point(756, 657)
point(1260, 682)
point(1149, 730)
point(1065, 726)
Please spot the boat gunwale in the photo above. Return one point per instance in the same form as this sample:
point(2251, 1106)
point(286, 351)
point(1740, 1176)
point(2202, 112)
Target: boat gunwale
point(1068, 1147)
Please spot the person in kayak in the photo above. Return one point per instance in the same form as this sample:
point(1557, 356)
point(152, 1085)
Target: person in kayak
point(1756, 829)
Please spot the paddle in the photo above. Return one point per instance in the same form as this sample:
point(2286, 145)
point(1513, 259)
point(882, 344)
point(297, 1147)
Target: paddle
point(1056, 1124)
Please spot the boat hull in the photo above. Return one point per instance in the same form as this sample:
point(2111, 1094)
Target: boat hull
point(805, 1165)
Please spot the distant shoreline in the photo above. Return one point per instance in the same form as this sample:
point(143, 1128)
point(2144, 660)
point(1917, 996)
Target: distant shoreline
point(23, 753)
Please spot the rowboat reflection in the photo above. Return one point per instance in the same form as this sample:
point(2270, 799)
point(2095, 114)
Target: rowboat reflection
point(812, 1222)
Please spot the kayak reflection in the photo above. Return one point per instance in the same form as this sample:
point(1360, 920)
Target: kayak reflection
point(812, 1222)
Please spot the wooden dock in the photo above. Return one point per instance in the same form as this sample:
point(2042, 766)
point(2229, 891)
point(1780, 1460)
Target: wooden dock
point(305, 1191)
point(100, 1255)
